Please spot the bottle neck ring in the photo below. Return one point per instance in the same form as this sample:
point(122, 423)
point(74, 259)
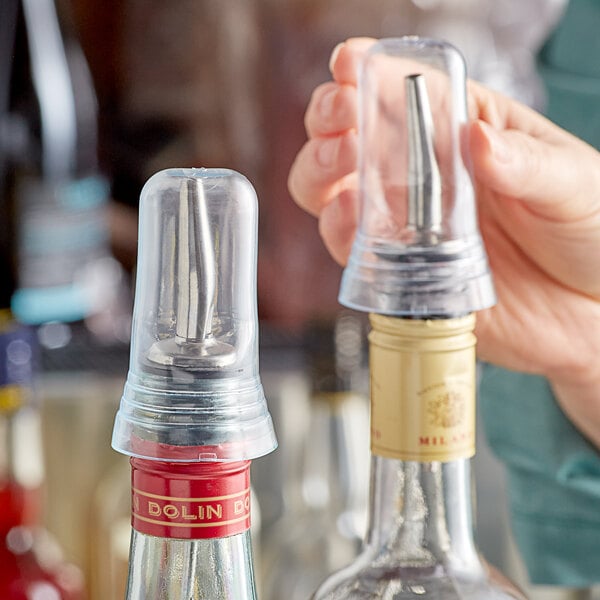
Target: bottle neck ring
point(190, 500)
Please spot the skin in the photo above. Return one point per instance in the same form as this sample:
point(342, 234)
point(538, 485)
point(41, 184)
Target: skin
point(538, 192)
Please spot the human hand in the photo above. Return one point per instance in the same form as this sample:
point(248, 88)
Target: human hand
point(538, 191)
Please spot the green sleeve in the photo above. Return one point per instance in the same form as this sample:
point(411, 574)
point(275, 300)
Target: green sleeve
point(553, 478)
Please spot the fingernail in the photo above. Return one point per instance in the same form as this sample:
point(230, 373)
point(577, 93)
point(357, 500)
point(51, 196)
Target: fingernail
point(334, 56)
point(327, 152)
point(326, 105)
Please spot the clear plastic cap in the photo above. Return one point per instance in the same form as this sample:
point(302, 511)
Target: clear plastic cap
point(193, 392)
point(417, 251)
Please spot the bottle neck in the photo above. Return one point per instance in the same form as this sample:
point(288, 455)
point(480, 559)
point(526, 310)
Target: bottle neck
point(421, 514)
point(217, 568)
point(191, 534)
point(21, 469)
point(422, 437)
point(335, 457)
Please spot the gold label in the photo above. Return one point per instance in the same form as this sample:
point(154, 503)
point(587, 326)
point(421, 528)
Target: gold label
point(422, 388)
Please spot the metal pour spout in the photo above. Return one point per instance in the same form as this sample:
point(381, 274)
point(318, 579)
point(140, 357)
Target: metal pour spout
point(193, 392)
point(192, 291)
point(424, 180)
point(196, 270)
point(418, 251)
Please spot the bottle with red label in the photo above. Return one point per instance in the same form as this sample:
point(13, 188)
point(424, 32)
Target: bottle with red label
point(193, 413)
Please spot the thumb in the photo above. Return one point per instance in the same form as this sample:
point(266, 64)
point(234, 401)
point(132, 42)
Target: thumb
point(557, 180)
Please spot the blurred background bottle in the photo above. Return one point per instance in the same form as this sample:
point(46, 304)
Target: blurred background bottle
point(69, 287)
point(110, 530)
point(31, 562)
point(66, 272)
point(322, 530)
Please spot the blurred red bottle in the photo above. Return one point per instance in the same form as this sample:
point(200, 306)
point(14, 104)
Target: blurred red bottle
point(31, 564)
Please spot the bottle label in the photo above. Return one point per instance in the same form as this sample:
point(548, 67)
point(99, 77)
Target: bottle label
point(190, 500)
point(422, 388)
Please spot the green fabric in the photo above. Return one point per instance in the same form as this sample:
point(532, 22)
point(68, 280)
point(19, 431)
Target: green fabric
point(553, 472)
point(553, 477)
point(573, 45)
point(569, 65)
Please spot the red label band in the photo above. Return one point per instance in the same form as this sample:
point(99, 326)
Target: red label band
point(190, 500)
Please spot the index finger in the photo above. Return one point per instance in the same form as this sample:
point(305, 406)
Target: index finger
point(346, 57)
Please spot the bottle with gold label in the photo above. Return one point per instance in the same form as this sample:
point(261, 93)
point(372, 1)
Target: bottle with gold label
point(419, 267)
point(193, 412)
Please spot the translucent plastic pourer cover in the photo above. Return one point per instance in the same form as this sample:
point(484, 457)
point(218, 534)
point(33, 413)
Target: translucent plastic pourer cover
point(193, 391)
point(417, 251)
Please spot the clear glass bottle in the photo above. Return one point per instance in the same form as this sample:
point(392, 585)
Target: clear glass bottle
point(193, 413)
point(111, 537)
point(418, 265)
point(420, 539)
point(323, 530)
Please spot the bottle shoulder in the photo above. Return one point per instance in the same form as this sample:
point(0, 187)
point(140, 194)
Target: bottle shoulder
point(370, 579)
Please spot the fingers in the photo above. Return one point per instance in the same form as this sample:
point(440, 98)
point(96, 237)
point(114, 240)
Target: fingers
point(337, 224)
point(322, 179)
point(320, 170)
point(554, 179)
point(503, 112)
point(331, 110)
point(322, 166)
point(346, 57)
